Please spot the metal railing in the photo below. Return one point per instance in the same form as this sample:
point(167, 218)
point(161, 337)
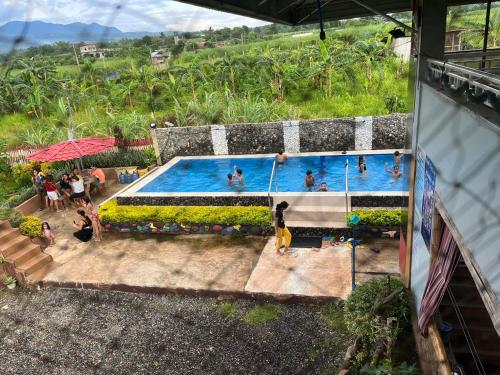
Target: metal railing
point(346, 187)
point(474, 85)
point(273, 174)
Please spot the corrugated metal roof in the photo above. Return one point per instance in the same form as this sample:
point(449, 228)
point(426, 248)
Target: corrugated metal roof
point(299, 12)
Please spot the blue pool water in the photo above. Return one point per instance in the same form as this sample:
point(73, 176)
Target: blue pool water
point(209, 175)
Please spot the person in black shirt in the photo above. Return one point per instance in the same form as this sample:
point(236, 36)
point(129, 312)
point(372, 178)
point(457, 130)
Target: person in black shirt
point(282, 232)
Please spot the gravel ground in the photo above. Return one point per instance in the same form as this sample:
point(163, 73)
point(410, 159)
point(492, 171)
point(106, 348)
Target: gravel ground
point(58, 331)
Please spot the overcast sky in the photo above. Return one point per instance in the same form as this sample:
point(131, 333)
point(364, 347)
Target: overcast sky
point(133, 15)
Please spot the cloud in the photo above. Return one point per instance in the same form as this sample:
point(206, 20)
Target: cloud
point(127, 15)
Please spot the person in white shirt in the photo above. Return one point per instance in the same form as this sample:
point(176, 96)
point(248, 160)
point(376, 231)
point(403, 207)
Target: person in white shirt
point(77, 187)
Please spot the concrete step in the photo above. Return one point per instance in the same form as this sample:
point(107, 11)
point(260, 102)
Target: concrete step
point(4, 224)
point(7, 234)
point(39, 274)
point(24, 255)
point(14, 245)
point(35, 264)
point(314, 216)
point(315, 224)
point(312, 199)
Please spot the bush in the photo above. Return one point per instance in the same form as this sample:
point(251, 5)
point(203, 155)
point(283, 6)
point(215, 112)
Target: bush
point(380, 217)
point(140, 158)
point(230, 215)
point(23, 195)
point(31, 226)
point(4, 213)
point(15, 218)
point(371, 326)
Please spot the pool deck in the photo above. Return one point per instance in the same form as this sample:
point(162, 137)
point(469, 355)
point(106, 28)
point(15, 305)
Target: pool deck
point(215, 265)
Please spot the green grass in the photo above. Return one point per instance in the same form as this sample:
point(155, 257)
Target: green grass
point(12, 126)
point(262, 314)
point(332, 314)
point(228, 309)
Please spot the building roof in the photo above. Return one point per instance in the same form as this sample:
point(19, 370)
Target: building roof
point(299, 12)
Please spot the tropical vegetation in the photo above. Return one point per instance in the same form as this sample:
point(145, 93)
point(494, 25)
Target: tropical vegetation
point(263, 78)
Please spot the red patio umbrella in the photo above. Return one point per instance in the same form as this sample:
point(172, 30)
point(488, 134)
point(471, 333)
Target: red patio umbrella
point(72, 149)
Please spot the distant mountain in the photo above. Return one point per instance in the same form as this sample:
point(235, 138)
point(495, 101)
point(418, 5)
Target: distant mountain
point(36, 33)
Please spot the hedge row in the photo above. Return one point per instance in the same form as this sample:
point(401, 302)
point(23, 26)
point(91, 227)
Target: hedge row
point(380, 217)
point(230, 215)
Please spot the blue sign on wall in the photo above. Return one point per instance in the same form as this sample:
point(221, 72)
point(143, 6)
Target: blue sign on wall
point(428, 202)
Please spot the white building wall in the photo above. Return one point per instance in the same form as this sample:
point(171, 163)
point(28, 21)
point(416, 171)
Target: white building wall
point(402, 48)
point(465, 149)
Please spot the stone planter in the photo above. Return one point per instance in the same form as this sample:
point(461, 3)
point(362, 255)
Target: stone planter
point(174, 228)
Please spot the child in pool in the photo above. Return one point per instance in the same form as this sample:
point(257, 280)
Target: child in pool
point(309, 181)
point(47, 233)
point(362, 166)
point(238, 175)
point(395, 173)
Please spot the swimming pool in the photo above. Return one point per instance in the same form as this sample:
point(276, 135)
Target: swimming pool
point(208, 174)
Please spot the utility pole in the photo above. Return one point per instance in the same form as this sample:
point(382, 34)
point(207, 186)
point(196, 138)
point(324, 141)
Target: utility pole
point(76, 57)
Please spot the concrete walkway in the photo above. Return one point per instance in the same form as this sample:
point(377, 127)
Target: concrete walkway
point(304, 272)
point(208, 264)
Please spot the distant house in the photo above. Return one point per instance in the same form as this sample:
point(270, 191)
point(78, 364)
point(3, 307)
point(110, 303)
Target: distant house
point(158, 58)
point(90, 49)
point(453, 41)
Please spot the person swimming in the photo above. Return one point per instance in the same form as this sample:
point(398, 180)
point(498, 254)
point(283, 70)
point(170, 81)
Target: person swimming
point(230, 179)
point(281, 157)
point(397, 157)
point(309, 180)
point(237, 175)
point(395, 173)
point(362, 166)
point(323, 187)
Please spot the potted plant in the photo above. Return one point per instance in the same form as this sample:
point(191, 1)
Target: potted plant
point(9, 282)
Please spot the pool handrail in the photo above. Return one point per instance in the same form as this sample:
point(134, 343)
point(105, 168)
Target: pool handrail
point(273, 171)
point(346, 187)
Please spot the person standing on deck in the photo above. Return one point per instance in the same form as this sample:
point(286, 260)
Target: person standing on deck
point(282, 232)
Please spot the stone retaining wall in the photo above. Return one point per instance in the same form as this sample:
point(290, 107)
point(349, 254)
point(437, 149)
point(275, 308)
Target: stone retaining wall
point(195, 201)
point(360, 133)
point(174, 228)
point(378, 201)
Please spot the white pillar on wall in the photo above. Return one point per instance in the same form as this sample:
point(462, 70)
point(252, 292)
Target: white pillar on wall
point(363, 133)
point(291, 136)
point(219, 139)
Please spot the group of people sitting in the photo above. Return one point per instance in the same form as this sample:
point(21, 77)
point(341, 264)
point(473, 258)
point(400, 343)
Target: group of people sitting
point(69, 190)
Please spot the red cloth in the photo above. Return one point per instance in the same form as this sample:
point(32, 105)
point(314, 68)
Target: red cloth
point(442, 269)
point(72, 149)
point(49, 186)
